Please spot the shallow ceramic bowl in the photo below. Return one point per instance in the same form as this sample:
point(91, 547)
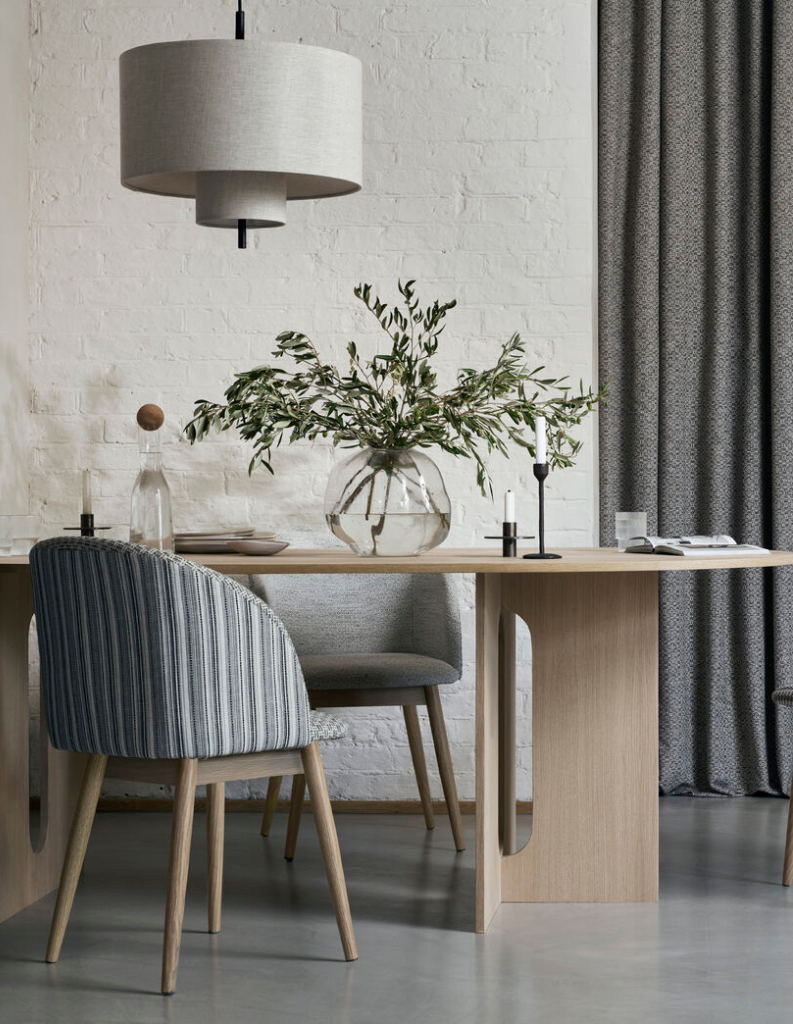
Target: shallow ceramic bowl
point(258, 547)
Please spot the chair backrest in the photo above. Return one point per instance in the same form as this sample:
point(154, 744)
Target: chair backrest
point(362, 613)
point(145, 654)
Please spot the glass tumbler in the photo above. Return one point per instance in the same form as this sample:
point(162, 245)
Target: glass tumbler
point(25, 534)
point(627, 525)
point(6, 535)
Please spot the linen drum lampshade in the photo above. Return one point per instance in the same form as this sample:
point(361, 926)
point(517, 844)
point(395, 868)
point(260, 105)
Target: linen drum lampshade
point(241, 125)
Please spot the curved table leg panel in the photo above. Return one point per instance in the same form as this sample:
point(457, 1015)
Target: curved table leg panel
point(488, 847)
point(26, 876)
point(595, 738)
point(507, 822)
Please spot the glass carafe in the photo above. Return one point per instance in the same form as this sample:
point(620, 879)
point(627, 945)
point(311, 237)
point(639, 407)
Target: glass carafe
point(150, 519)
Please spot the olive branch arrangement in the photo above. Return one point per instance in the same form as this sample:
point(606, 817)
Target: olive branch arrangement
point(392, 401)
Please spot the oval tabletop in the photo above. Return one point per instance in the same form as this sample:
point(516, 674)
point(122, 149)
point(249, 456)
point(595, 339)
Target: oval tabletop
point(461, 560)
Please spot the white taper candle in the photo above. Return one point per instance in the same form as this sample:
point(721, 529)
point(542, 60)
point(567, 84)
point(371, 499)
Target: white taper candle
point(87, 505)
point(540, 447)
point(509, 507)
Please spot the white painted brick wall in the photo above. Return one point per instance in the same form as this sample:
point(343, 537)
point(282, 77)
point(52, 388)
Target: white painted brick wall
point(477, 183)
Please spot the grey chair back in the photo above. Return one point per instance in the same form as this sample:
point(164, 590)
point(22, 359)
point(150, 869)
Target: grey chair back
point(378, 613)
point(145, 654)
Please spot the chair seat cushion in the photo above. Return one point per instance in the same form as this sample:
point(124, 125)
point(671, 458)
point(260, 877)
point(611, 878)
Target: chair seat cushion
point(327, 727)
point(783, 696)
point(369, 671)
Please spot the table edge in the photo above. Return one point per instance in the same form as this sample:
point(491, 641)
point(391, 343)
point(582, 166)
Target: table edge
point(457, 561)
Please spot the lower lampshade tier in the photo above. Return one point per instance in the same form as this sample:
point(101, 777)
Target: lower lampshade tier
point(224, 197)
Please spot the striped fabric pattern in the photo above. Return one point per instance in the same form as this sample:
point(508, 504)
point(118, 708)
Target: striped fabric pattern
point(145, 654)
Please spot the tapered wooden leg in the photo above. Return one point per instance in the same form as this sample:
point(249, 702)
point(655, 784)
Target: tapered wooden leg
point(443, 754)
point(75, 851)
point(216, 807)
point(273, 789)
point(419, 763)
point(181, 835)
point(787, 870)
point(295, 811)
point(329, 843)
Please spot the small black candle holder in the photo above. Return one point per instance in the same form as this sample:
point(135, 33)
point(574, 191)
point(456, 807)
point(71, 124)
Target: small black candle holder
point(509, 539)
point(87, 526)
point(540, 473)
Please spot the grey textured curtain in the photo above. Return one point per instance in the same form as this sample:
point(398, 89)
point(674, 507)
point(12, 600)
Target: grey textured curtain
point(696, 342)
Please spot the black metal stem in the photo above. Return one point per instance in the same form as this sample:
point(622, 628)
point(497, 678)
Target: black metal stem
point(86, 524)
point(239, 33)
point(540, 473)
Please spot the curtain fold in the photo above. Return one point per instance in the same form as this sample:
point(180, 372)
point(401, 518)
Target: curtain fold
point(695, 211)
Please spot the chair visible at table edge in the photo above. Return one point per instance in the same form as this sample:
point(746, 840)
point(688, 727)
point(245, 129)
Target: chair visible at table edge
point(389, 642)
point(783, 697)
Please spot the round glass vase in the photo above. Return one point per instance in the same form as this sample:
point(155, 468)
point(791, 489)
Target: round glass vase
point(388, 502)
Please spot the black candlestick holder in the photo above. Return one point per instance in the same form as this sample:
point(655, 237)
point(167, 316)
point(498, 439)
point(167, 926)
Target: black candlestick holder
point(87, 526)
point(509, 539)
point(540, 473)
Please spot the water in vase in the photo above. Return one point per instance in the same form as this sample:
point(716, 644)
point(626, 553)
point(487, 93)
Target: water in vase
point(394, 533)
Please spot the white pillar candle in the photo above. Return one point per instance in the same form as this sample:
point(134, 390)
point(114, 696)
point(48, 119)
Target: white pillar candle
point(87, 506)
point(540, 448)
point(509, 507)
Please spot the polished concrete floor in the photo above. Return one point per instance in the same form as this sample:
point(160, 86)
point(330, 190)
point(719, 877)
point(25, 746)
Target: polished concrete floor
point(718, 947)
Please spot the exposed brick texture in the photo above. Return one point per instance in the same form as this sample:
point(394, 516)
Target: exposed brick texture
point(478, 182)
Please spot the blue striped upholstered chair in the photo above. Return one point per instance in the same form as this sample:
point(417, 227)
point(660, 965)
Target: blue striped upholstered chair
point(164, 671)
point(385, 639)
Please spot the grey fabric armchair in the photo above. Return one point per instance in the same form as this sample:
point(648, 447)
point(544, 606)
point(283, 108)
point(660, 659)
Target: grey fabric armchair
point(164, 671)
point(374, 640)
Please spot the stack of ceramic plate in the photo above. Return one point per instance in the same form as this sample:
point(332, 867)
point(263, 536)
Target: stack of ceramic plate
point(243, 539)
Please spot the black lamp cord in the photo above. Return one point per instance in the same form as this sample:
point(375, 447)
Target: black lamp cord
point(242, 225)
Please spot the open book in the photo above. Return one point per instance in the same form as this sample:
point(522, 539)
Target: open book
point(717, 546)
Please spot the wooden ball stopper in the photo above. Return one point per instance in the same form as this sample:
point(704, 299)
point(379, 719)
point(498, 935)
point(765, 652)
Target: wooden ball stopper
point(150, 417)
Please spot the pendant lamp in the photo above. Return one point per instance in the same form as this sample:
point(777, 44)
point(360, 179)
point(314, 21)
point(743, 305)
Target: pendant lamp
point(242, 125)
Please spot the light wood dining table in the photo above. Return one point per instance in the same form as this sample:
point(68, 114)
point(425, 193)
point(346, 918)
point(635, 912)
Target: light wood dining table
point(593, 620)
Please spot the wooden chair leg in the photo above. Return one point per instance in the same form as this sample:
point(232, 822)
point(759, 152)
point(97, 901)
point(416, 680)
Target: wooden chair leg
point(273, 789)
point(419, 763)
point(441, 741)
point(787, 870)
point(295, 812)
point(216, 807)
point(329, 843)
point(75, 851)
point(181, 835)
